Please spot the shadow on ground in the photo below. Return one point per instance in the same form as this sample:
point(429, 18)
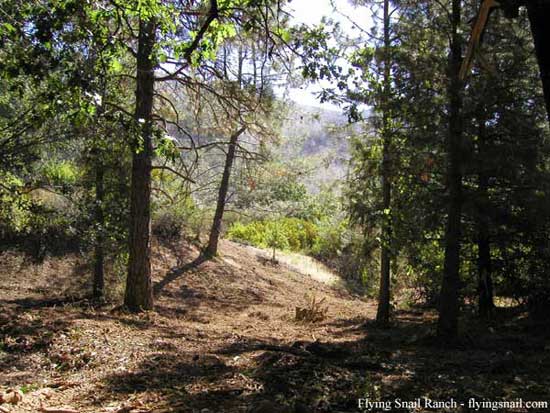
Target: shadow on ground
point(384, 364)
point(176, 273)
point(24, 332)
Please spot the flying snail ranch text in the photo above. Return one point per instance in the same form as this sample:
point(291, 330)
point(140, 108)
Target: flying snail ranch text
point(426, 403)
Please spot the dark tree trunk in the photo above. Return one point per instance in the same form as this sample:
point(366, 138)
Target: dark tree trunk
point(539, 16)
point(447, 328)
point(139, 293)
point(99, 278)
point(212, 248)
point(485, 286)
point(485, 282)
point(383, 311)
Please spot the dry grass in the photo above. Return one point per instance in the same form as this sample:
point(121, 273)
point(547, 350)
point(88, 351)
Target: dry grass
point(314, 312)
point(301, 264)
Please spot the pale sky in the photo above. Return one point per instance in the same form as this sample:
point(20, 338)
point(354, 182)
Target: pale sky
point(310, 12)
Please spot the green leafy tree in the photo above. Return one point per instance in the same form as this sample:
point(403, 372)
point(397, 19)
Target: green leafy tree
point(275, 238)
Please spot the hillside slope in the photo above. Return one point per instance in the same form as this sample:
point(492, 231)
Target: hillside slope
point(223, 339)
point(213, 325)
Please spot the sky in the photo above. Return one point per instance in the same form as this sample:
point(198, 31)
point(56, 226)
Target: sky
point(310, 12)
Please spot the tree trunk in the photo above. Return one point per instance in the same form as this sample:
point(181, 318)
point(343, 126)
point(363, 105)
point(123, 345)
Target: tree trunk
point(212, 247)
point(99, 278)
point(485, 282)
point(139, 293)
point(447, 328)
point(383, 311)
point(539, 16)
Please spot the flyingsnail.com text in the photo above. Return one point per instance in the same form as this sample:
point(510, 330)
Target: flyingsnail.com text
point(471, 404)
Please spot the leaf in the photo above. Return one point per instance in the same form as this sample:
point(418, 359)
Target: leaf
point(116, 66)
point(9, 28)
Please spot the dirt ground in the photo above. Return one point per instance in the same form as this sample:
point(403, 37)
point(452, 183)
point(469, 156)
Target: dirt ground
point(223, 338)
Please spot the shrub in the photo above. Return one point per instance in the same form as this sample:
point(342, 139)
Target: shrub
point(301, 234)
point(314, 311)
point(175, 212)
point(331, 239)
point(14, 206)
point(298, 234)
point(275, 237)
point(252, 233)
point(167, 226)
point(425, 270)
point(60, 173)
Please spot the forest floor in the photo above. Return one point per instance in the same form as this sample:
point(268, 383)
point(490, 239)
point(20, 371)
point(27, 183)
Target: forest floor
point(224, 338)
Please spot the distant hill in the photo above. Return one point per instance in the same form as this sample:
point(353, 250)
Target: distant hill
point(321, 137)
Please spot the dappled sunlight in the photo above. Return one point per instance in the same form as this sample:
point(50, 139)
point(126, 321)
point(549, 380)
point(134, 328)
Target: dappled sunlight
point(300, 263)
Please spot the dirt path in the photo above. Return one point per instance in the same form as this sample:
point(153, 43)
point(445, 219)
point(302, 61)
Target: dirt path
point(298, 263)
point(223, 339)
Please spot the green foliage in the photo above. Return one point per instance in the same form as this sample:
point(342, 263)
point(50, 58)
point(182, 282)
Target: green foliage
point(331, 238)
point(60, 173)
point(275, 186)
point(300, 234)
point(170, 221)
point(15, 213)
point(166, 148)
point(252, 233)
point(175, 212)
point(293, 234)
point(346, 249)
point(27, 388)
point(275, 237)
point(280, 189)
point(424, 269)
point(51, 232)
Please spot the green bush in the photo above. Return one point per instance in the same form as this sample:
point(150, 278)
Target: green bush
point(175, 212)
point(60, 173)
point(332, 241)
point(14, 206)
point(167, 226)
point(52, 232)
point(253, 233)
point(331, 238)
point(275, 237)
point(425, 270)
point(299, 235)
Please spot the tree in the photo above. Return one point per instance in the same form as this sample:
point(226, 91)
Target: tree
point(383, 311)
point(212, 247)
point(447, 327)
point(488, 120)
point(377, 89)
point(539, 13)
point(248, 105)
point(275, 238)
point(139, 292)
point(205, 39)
